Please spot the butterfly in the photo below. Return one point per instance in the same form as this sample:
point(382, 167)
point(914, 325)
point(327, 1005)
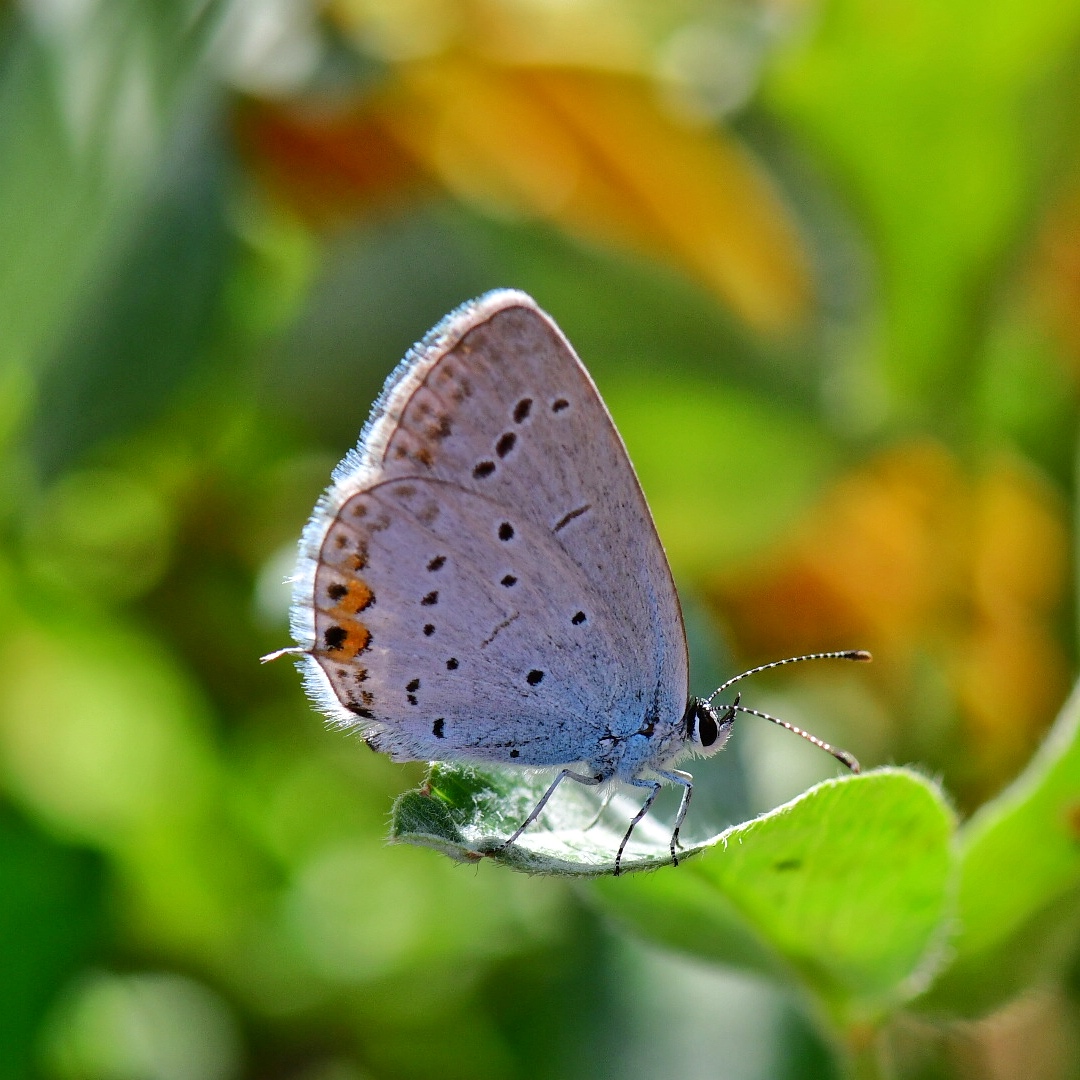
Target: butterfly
point(483, 581)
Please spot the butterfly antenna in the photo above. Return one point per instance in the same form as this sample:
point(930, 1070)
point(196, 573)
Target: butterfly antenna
point(845, 654)
point(841, 755)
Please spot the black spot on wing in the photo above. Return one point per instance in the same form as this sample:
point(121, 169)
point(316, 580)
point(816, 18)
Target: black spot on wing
point(568, 517)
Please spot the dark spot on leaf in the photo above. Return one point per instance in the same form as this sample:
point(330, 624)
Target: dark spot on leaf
point(787, 864)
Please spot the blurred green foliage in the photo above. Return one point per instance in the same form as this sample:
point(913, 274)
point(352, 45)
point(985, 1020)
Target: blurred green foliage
point(824, 263)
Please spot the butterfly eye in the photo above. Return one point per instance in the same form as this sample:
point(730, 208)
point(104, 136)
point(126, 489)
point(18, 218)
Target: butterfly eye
point(708, 730)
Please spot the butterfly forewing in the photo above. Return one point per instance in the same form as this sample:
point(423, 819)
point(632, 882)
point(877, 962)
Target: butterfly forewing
point(484, 578)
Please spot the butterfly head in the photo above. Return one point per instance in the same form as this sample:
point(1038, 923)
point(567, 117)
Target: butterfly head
point(706, 730)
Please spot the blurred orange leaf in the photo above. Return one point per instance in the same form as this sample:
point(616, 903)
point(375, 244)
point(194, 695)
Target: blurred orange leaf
point(327, 164)
point(934, 570)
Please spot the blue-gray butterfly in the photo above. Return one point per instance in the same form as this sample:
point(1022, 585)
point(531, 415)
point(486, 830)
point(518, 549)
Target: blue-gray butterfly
point(483, 581)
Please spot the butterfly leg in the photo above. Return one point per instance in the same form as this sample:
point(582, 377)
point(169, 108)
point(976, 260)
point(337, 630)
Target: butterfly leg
point(656, 786)
point(677, 776)
point(590, 781)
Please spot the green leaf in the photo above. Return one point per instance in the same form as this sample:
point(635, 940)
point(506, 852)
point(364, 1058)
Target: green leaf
point(467, 813)
point(925, 113)
point(848, 885)
point(1019, 881)
point(149, 317)
point(51, 923)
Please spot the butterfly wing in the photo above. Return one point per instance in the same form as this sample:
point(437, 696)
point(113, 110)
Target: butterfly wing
point(483, 580)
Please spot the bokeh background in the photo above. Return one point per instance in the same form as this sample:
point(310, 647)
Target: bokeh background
point(823, 260)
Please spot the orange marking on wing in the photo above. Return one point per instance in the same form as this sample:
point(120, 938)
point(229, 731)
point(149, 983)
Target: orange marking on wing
point(356, 638)
point(359, 637)
point(358, 597)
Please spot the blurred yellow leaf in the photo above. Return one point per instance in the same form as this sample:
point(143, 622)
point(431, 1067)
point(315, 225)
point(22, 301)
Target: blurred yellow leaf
point(613, 35)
